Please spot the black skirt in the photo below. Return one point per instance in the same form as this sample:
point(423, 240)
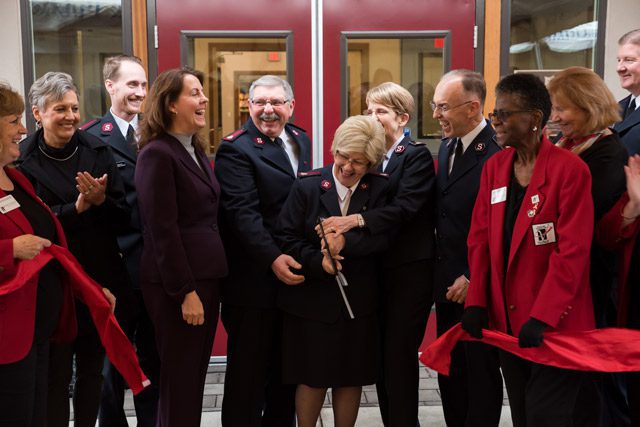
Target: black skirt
point(340, 354)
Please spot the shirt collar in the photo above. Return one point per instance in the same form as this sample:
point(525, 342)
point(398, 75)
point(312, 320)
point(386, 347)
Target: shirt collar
point(341, 189)
point(393, 147)
point(468, 138)
point(123, 125)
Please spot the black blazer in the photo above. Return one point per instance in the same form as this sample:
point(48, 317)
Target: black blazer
point(255, 178)
point(629, 128)
point(318, 298)
point(124, 154)
point(456, 196)
point(92, 234)
point(411, 204)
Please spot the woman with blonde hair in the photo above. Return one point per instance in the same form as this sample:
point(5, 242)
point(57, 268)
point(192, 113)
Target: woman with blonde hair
point(328, 327)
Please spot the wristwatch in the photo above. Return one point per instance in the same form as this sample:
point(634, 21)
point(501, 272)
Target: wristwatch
point(361, 222)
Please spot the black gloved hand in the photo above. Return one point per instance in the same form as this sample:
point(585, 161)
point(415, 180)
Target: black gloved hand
point(531, 333)
point(475, 318)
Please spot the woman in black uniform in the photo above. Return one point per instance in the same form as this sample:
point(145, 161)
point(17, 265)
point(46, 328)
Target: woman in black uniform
point(328, 328)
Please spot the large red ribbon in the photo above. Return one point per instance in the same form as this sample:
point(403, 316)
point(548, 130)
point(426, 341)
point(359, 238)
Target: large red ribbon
point(601, 350)
point(116, 344)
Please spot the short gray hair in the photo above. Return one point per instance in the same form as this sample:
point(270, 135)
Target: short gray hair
point(632, 37)
point(271, 81)
point(362, 135)
point(50, 88)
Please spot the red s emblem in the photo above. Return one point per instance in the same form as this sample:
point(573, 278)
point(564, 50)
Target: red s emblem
point(399, 149)
point(258, 140)
point(107, 127)
point(364, 186)
point(325, 184)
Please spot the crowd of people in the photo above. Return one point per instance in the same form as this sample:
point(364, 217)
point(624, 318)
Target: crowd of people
point(323, 279)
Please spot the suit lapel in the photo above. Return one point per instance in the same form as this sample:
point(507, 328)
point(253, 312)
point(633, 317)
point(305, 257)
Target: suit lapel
point(444, 154)
point(274, 154)
point(396, 159)
point(469, 158)
point(360, 197)
point(303, 150)
point(183, 155)
point(329, 194)
point(17, 217)
point(632, 120)
point(116, 140)
point(503, 178)
point(533, 200)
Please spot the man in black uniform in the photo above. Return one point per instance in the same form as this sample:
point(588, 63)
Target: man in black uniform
point(126, 82)
point(472, 394)
point(629, 71)
point(256, 167)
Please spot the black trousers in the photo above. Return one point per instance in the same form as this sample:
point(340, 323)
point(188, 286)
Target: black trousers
point(539, 395)
point(139, 329)
point(254, 395)
point(472, 394)
point(184, 352)
point(89, 360)
point(23, 389)
point(407, 297)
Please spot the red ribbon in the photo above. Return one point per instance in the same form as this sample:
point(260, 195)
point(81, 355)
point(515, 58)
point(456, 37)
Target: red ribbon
point(116, 344)
point(601, 350)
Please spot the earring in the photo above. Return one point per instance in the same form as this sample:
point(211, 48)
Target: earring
point(535, 128)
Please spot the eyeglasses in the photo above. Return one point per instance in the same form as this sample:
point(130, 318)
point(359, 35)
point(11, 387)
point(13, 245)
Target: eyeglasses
point(445, 107)
point(503, 115)
point(379, 112)
point(274, 102)
point(354, 162)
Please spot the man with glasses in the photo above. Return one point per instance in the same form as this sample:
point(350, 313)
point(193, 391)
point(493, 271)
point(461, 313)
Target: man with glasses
point(629, 72)
point(256, 166)
point(472, 394)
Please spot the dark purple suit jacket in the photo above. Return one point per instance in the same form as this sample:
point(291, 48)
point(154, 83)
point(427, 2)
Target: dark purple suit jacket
point(178, 203)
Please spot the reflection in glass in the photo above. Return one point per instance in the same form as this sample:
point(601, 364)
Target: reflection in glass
point(548, 34)
point(415, 63)
point(75, 36)
point(230, 66)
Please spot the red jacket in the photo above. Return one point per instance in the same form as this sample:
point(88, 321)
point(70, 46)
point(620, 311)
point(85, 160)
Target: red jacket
point(18, 306)
point(547, 276)
point(611, 236)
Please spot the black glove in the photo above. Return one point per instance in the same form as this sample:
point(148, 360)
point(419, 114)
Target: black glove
point(475, 318)
point(531, 333)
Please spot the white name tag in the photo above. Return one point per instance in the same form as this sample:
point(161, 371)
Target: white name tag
point(544, 234)
point(498, 195)
point(8, 203)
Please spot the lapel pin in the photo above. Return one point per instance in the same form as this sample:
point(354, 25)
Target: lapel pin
point(325, 184)
point(399, 149)
point(535, 199)
point(364, 186)
point(258, 140)
point(480, 146)
point(295, 132)
point(531, 213)
point(107, 127)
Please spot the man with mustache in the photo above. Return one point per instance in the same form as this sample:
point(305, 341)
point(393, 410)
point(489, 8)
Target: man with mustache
point(126, 83)
point(256, 166)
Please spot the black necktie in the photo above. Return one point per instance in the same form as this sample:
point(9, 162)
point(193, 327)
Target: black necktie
point(458, 154)
point(631, 108)
point(131, 135)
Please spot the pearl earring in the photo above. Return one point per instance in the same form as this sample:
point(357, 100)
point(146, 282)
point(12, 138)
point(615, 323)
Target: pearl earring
point(535, 128)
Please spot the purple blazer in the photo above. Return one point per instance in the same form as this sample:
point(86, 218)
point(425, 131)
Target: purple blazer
point(178, 201)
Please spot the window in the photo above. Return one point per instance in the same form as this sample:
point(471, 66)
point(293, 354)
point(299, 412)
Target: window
point(75, 36)
point(414, 60)
point(552, 35)
point(230, 65)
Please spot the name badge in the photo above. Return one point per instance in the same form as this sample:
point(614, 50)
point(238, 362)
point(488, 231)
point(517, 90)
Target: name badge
point(8, 203)
point(120, 165)
point(498, 195)
point(543, 234)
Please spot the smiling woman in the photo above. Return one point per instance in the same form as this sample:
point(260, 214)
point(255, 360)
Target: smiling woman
point(183, 258)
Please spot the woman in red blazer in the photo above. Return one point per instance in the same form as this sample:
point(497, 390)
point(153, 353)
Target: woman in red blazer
point(619, 230)
point(43, 307)
point(183, 257)
point(529, 250)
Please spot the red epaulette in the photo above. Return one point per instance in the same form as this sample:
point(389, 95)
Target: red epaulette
point(307, 174)
point(88, 124)
point(380, 174)
point(234, 135)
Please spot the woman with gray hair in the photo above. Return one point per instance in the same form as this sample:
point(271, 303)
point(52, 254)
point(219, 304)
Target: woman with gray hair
point(329, 326)
point(75, 174)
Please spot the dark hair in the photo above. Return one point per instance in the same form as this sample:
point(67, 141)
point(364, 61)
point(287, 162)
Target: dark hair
point(10, 101)
point(472, 82)
point(530, 91)
point(165, 90)
point(112, 64)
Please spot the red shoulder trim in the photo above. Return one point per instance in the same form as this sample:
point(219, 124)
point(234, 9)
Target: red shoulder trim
point(234, 135)
point(88, 124)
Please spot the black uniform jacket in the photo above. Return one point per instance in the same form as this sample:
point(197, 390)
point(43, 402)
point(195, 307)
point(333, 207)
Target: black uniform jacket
point(255, 177)
point(129, 239)
point(629, 128)
point(456, 195)
point(318, 298)
point(92, 234)
point(411, 205)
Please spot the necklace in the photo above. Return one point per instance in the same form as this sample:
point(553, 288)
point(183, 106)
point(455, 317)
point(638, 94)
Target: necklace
point(55, 158)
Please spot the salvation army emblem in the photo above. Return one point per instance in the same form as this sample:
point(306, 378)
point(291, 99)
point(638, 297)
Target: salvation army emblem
point(480, 146)
point(399, 149)
point(325, 184)
point(364, 186)
point(107, 127)
point(258, 140)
